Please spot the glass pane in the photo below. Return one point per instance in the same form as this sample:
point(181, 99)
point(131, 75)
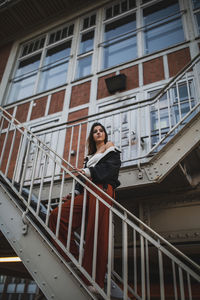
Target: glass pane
point(84, 66)
point(11, 288)
point(198, 20)
point(196, 4)
point(119, 27)
point(57, 53)
point(157, 12)
point(120, 52)
point(53, 77)
point(163, 36)
point(20, 288)
point(87, 40)
point(22, 88)
point(31, 289)
point(27, 66)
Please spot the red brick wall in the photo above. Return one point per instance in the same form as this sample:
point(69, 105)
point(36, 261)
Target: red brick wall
point(5, 123)
point(7, 151)
point(74, 116)
point(80, 94)
point(132, 79)
point(4, 54)
point(153, 70)
point(102, 89)
point(39, 109)
point(57, 100)
point(177, 60)
point(22, 112)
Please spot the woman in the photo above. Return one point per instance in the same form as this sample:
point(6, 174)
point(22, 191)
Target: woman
point(102, 168)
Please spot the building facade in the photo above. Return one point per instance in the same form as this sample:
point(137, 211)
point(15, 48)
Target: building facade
point(55, 66)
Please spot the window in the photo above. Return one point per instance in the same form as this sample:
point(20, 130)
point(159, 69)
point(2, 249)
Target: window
point(163, 26)
point(170, 109)
point(196, 6)
point(86, 46)
point(42, 64)
point(120, 43)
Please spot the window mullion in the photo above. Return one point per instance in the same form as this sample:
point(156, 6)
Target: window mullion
point(140, 33)
point(74, 50)
point(40, 66)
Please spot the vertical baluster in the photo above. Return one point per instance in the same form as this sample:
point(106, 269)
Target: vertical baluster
point(70, 145)
point(70, 216)
point(178, 101)
point(120, 132)
point(147, 269)
point(161, 274)
point(143, 284)
point(112, 129)
point(82, 226)
point(135, 260)
point(2, 118)
point(138, 130)
point(10, 152)
point(17, 167)
point(78, 146)
point(181, 283)
point(189, 287)
point(169, 110)
point(40, 157)
point(159, 123)
point(96, 226)
point(4, 143)
point(33, 174)
point(41, 183)
point(129, 133)
point(25, 161)
point(125, 257)
point(174, 281)
point(110, 248)
point(60, 204)
point(149, 127)
point(50, 194)
point(188, 90)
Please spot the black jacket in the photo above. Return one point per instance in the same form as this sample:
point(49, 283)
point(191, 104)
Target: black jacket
point(105, 172)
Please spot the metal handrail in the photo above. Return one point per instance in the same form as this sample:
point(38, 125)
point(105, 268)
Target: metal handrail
point(144, 238)
point(119, 211)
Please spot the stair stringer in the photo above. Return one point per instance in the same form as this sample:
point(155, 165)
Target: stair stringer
point(56, 280)
point(166, 159)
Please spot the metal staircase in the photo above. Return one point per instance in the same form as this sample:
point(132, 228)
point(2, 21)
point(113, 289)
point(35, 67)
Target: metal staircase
point(141, 264)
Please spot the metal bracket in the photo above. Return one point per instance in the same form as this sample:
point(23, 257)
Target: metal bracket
point(25, 224)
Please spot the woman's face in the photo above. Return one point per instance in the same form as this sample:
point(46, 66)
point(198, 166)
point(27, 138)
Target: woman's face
point(98, 134)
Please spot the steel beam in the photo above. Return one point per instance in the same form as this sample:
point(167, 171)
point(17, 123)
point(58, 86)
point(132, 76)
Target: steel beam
point(55, 279)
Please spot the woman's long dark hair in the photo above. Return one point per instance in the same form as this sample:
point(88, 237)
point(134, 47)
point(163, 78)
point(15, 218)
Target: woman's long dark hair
point(91, 143)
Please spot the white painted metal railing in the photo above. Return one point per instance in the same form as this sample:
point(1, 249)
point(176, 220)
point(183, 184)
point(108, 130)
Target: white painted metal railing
point(139, 129)
point(140, 261)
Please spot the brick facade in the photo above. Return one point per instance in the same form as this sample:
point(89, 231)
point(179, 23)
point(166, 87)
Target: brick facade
point(4, 54)
point(57, 101)
point(39, 108)
point(80, 94)
point(177, 60)
point(102, 89)
point(153, 70)
point(81, 153)
point(22, 112)
point(132, 78)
